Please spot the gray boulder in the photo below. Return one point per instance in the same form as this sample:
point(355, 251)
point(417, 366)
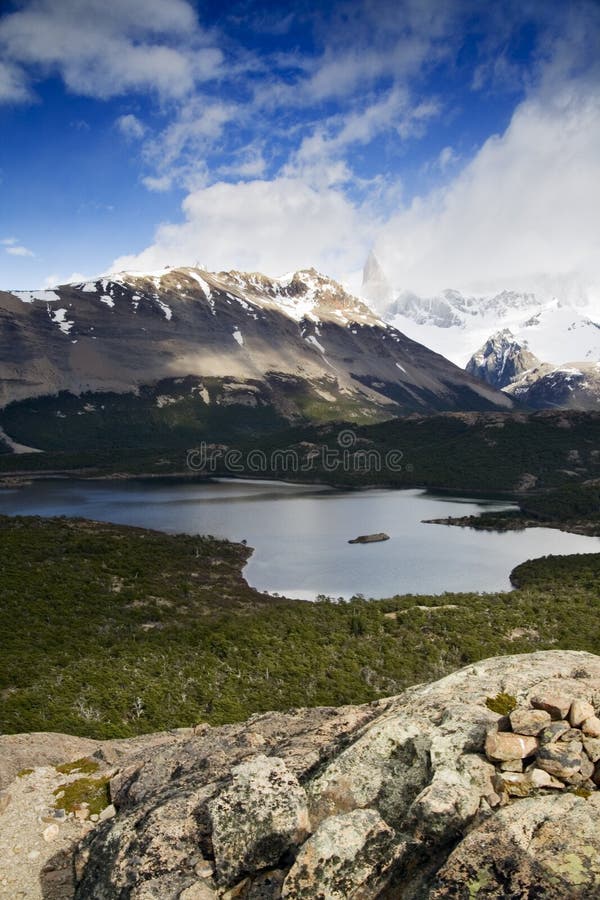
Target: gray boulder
point(547, 847)
point(259, 817)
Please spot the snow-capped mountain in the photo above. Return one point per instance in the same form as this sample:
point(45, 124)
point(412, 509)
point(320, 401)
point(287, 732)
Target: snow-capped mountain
point(502, 360)
point(300, 345)
point(507, 364)
point(570, 386)
point(453, 322)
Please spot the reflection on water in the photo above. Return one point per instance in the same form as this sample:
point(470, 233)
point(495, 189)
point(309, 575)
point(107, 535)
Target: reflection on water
point(300, 533)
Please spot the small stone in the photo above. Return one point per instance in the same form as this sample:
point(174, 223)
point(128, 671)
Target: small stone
point(560, 760)
point(556, 704)
point(501, 746)
point(238, 892)
point(94, 817)
point(204, 869)
point(198, 891)
point(529, 721)
point(592, 748)
point(591, 727)
point(51, 833)
point(580, 711)
point(60, 814)
point(542, 779)
point(587, 766)
point(553, 732)
point(511, 765)
point(596, 775)
point(33, 854)
point(516, 784)
point(107, 813)
point(82, 813)
point(573, 734)
point(4, 801)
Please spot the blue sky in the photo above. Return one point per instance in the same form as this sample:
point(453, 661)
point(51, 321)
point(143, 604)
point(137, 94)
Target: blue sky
point(460, 139)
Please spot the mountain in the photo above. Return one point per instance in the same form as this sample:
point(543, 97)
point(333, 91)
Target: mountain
point(376, 286)
point(507, 364)
point(453, 322)
point(569, 386)
point(189, 350)
point(501, 360)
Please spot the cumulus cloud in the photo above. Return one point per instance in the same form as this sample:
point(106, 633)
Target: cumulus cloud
point(130, 126)
point(270, 226)
point(177, 153)
point(524, 210)
point(13, 84)
point(105, 49)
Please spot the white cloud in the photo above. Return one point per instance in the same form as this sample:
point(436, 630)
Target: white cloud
point(523, 211)
point(131, 127)
point(9, 241)
point(13, 84)
point(269, 226)
point(177, 154)
point(320, 157)
point(52, 281)
point(105, 49)
point(18, 250)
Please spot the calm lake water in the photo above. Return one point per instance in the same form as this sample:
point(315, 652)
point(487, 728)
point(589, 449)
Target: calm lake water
point(300, 533)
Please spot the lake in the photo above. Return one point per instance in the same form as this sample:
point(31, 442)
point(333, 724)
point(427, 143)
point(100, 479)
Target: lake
point(300, 533)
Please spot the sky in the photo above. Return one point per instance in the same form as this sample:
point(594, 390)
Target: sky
point(458, 139)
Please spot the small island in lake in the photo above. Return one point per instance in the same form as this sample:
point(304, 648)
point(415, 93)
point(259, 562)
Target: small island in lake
point(370, 538)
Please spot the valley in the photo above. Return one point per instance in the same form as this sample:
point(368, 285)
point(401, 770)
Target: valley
point(115, 631)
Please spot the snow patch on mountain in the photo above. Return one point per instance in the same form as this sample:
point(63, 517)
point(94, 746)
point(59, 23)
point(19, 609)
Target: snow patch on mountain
point(59, 317)
point(32, 296)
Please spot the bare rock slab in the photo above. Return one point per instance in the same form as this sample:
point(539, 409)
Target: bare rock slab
point(544, 847)
point(258, 818)
point(342, 858)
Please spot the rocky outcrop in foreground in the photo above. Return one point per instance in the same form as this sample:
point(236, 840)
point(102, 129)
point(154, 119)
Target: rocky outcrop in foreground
point(480, 785)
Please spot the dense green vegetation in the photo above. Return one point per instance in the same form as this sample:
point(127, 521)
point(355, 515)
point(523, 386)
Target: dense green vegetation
point(114, 631)
point(573, 507)
point(489, 452)
point(175, 413)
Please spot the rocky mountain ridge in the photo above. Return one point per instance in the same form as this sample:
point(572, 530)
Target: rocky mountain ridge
point(299, 345)
point(570, 386)
point(501, 360)
point(554, 326)
point(508, 364)
point(431, 794)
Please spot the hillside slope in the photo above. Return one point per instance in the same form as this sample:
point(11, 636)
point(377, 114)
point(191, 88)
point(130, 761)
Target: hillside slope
point(297, 348)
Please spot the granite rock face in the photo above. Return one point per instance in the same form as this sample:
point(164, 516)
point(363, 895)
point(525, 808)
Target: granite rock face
point(396, 799)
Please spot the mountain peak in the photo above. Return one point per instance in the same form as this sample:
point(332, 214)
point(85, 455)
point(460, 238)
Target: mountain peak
point(502, 359)
point(375, 284)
